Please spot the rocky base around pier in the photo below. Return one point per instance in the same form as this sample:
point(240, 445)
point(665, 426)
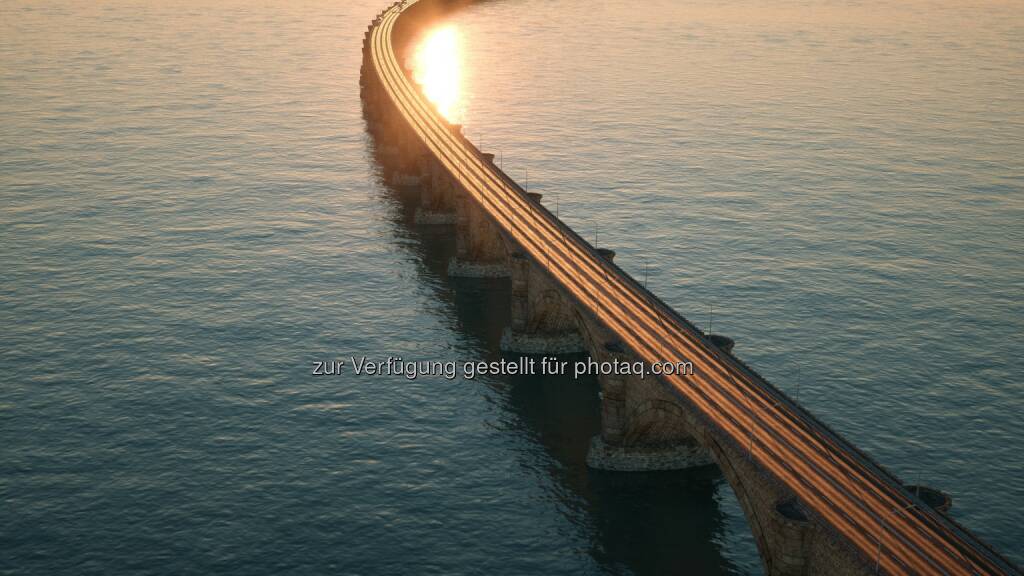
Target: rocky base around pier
point(431, 218)
point(602, 456)
point(541, 343)
point(469, 269)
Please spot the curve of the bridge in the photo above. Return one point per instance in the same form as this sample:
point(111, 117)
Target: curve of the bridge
point(859, 500)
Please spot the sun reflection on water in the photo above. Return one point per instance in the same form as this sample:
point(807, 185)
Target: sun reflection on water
point(437, 67)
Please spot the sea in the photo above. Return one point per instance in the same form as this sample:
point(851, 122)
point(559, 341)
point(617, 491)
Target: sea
point(193, 214)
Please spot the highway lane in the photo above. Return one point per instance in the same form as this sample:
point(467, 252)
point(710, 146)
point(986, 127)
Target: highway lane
point(842, 489)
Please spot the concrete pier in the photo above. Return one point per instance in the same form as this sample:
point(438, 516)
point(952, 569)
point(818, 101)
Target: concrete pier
point(437, 195)
point(479, 248)
point(642, 426)
point(542, 322)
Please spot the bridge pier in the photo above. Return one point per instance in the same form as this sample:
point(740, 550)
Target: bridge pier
point(479, 246)
point(643, 427)
point(409, 169)
point(543, 322)
point(437, 194)
point(372, 96)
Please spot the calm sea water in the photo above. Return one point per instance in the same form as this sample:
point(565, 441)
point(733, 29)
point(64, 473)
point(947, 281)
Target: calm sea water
point(192, 215)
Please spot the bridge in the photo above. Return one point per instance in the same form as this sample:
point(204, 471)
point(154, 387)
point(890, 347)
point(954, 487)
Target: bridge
point(815, 503)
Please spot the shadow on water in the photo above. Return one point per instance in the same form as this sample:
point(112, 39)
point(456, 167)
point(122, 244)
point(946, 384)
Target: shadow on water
point(639, 523)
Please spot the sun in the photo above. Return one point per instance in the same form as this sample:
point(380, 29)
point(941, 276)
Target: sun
point(437, 68)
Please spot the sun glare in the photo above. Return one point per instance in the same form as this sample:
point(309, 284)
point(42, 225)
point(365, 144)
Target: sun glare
point(437, 67)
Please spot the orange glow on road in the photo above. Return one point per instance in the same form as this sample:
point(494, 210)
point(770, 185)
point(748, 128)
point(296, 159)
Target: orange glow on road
point(437, 67)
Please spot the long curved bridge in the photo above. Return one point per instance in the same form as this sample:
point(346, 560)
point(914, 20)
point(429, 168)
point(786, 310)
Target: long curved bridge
point(816, 504)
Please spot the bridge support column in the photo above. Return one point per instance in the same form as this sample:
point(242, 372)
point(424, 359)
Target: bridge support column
point(373, 99)
point(386, 129)
point(437, 194)
point(409, 167)
point(643, 426)
point(543, 322)
point(479, 246)
point(412, 170)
